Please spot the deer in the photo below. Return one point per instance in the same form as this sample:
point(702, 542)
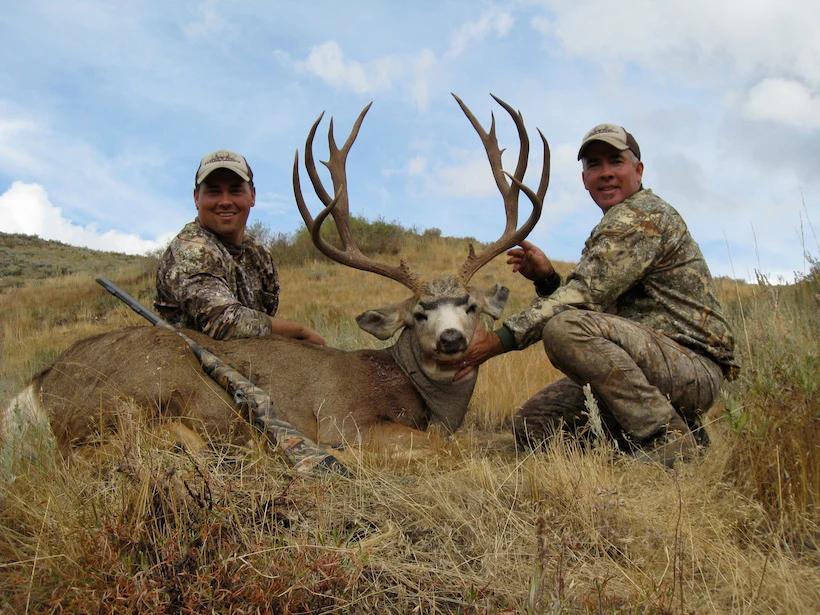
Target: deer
point(387, 397)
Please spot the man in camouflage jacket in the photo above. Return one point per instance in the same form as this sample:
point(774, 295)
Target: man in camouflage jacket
point(638, 319)
point(215, 278)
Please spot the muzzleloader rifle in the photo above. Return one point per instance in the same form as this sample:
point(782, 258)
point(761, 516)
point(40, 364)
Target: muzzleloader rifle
point(302, 453)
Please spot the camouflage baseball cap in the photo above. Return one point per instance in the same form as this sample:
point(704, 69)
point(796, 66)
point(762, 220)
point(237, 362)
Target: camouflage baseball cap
point(616, 136)
point(223, 159)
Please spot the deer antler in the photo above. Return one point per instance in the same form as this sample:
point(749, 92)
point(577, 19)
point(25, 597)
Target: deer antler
point(509, 190)
point(339, 208)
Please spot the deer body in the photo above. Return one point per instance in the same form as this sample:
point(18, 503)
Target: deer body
point(331, 396)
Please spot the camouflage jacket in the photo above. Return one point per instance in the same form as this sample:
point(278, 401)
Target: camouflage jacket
point(640, 263)
point(222, 290)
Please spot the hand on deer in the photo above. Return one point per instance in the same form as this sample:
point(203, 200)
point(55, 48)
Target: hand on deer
point(484, 345)
point(530, 261)
point(296, 331)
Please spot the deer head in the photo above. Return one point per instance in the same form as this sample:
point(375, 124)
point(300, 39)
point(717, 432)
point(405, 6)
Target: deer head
point(442, 313)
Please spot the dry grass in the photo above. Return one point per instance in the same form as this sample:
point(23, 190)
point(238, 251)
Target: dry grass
point(137, 525)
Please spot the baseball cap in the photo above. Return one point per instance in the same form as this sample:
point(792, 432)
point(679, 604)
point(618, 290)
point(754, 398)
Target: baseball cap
point(223, 159)
point(616, 136)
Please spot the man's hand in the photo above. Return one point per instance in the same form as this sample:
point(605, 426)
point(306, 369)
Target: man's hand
point(484, 345)
point(530, 261)
point(296, 331)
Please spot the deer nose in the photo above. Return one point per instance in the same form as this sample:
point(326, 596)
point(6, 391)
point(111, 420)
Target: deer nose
point(451, 341)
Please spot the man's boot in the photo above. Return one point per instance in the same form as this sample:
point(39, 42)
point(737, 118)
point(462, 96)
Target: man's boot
point(675, 443)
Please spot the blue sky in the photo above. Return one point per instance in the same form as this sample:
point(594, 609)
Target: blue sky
point(107, 107)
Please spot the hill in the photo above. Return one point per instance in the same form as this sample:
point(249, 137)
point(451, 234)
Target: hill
point(27, 257)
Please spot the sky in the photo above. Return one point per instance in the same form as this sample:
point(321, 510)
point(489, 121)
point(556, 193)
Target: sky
point(107, 107)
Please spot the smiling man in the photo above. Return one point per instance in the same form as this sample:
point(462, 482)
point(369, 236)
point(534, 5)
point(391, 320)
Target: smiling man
point(638, 319)
point(215, 278)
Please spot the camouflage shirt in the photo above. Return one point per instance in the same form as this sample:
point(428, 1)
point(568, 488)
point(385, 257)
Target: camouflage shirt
point(640, 263)
point(223, 290)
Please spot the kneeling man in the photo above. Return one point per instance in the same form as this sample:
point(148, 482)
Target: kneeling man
point(638, 318)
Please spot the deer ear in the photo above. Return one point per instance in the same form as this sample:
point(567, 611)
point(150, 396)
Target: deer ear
point(495, 299)
point(385, 321)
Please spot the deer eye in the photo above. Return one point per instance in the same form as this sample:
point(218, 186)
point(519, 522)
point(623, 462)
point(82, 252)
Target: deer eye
point(420, 316)
point(472, 309)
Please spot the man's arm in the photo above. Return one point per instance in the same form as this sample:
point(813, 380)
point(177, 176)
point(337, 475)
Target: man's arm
point(616, 256)
point(295, 330)
point(531, 262)
point(216, 310)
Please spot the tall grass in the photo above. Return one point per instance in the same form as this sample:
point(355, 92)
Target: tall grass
point(138, 524)
point(773, 411)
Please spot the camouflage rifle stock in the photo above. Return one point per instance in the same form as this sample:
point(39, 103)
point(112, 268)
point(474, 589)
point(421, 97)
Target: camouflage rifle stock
point(302, 453)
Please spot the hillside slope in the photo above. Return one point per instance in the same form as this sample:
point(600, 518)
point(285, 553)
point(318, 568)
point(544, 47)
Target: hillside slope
point(27, 257)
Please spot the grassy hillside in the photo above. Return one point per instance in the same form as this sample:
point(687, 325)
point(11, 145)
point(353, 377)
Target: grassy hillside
point(27, 257)
point(138, 525)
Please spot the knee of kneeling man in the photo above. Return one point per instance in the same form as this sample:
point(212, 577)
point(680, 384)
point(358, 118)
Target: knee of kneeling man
point(559, 330)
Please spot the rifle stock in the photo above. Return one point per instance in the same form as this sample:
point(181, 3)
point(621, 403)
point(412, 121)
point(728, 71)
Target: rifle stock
point(303, 454)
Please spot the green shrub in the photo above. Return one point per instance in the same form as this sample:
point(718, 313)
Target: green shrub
point(376, 237)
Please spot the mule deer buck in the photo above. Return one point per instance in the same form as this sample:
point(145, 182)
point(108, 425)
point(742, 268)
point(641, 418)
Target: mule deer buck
point(331, 396)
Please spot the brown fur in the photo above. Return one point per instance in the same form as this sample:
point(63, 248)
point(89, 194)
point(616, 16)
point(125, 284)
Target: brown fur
point(331, 396)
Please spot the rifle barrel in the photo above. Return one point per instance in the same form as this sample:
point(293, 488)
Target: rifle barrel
point(305, 455)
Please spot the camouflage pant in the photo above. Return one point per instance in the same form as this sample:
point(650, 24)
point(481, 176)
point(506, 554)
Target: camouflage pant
point(639, 377)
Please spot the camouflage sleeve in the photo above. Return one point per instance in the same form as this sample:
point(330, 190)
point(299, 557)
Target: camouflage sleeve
point(617, 253)
point(199, 279)
point(217, 311)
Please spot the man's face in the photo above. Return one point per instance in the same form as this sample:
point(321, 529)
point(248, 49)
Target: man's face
point(610, 175)
point(223, 202)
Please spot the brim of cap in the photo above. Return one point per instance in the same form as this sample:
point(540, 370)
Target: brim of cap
point(206, 171)
point(616, 143)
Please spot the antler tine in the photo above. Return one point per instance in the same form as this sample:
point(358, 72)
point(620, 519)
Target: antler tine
point(297, 193)
point(313, 226)
point(490, 142)
point(336, 165)
point(511, 196)
point(354, 258)
point(537, 206)
point(509, 191)
point(338, 207)
point(310, 165)
point(544, 182)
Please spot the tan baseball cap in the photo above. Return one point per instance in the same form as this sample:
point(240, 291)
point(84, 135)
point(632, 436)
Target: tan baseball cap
point(616, 136)
point(224, 159)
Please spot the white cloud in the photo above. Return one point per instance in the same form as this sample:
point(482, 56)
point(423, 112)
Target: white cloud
point(690, 38)
point(111, 189)
point(417, 165)
point(493, 22)
point(208, 22)
point(469, 178)
point(783, 101)
point(25, 208)
point(422, 69)
point(327, 62)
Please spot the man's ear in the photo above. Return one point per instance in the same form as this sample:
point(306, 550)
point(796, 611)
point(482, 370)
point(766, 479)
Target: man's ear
point(196, 197)
point(495, 299)
point(384, 322)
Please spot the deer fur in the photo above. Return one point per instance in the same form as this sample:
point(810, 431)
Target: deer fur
point(334, 397)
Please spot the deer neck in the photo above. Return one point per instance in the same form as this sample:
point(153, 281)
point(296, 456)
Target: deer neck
point(447, 400)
